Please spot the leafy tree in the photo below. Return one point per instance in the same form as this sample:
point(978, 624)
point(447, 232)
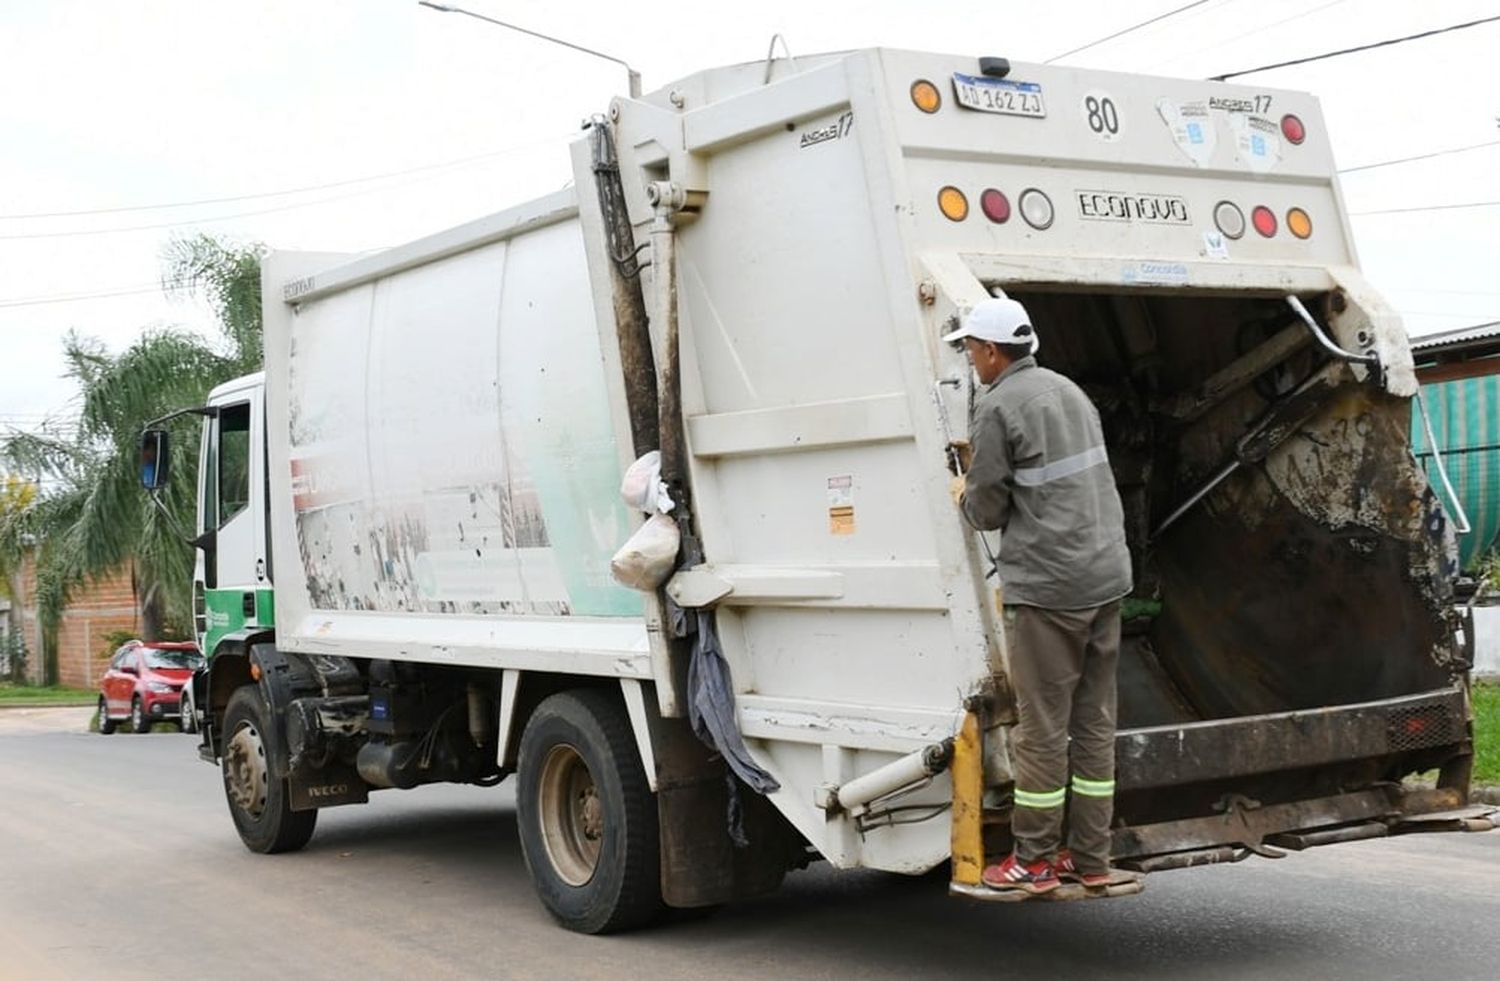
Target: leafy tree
point(93, 517)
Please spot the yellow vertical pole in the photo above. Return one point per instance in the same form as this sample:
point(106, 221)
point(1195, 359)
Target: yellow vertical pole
point(967, 772)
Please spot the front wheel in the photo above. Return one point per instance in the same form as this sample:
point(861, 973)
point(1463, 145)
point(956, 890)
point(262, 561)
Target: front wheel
point(139, 721)
point(259, 803)
point(106, 724)
point(187, 719)
point(587, 816)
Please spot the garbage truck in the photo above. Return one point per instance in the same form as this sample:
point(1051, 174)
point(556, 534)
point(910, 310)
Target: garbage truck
point(406, 523)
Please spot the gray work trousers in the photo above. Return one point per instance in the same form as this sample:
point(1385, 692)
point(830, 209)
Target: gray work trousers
point(1062, 665)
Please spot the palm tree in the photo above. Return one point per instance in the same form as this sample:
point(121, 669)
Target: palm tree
point(16, 498)
point(93, 517)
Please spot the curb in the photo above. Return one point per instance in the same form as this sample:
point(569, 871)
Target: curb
point(6, 706)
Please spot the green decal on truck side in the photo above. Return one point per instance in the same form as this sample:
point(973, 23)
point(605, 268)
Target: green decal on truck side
point(224, 611)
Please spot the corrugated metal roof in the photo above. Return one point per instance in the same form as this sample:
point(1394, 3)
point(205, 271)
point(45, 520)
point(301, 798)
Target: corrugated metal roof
point(1456, 338)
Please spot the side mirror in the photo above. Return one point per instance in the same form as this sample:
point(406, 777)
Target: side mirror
point(130, 669)
point(156, 459)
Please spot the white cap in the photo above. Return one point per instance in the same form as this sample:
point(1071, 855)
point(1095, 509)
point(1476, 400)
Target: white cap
point(999, 320)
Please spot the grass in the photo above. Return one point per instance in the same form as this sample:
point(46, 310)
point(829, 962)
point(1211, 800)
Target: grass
point(1487, 734)
point(38, 697)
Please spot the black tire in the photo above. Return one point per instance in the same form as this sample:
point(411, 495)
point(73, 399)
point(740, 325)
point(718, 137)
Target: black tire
point(106, 725)
point(139, 720)
point(622, 889)
point(259, 803)
point(187, 719)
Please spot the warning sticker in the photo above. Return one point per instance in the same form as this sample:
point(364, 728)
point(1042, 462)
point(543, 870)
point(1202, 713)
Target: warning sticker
point(1215, 246)
point(1192, 128)
point(1257, 142)
point(841, 505)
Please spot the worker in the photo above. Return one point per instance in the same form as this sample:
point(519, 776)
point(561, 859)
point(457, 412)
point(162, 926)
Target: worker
point(1039, 473)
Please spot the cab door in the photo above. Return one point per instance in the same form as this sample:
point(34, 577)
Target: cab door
point(232, 590)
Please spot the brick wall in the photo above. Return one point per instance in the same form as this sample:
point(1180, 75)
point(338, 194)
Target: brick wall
point(97, 609)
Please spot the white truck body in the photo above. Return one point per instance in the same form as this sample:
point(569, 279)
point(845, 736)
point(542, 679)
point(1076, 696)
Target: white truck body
point(446, 422)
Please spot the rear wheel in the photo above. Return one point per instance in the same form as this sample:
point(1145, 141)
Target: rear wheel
point(258, 802)
point(139, 721)
point(587, 815)
point(106, 724)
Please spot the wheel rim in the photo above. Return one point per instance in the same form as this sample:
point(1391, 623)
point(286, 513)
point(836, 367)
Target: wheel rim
point(137, 717)
point(103, 714)
point(572, 815)
point(245, 775)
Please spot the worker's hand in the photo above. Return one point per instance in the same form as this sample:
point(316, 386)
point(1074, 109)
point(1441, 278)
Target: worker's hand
point(962, 453)
point(956, 491)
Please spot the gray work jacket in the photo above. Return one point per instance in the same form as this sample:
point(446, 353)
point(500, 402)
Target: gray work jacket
point(1040, 474)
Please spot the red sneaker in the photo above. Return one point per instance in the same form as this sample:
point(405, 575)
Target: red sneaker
point(1036, 878)
point(1091, 880)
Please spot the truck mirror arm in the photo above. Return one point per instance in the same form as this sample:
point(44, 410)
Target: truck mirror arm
point(174, 524)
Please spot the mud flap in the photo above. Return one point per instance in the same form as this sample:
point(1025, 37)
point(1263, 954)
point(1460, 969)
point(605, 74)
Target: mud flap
point(327, 786)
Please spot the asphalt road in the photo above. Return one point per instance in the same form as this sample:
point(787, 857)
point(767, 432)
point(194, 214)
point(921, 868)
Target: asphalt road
point(117, 860)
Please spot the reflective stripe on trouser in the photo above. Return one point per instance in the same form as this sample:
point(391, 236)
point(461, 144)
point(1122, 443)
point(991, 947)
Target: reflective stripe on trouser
point(1063, 665)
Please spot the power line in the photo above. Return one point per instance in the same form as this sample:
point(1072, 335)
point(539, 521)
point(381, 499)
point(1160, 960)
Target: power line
point(459, 162)
point(1129, 30)
point(239, 214)
point(1362, 47)
point(38, 301)
point(1427, 207)
point(204, 221)
point(1420, 156)
point(1252, 32)
point(163, 285)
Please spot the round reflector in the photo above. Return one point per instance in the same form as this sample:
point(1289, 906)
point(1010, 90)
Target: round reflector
point(1298, 223)
point(925, 95)
point(1036, 208)
point(995, 205)
point(1264, 220)
point(1292, 129)
point(1230, 219)
point(953, 204)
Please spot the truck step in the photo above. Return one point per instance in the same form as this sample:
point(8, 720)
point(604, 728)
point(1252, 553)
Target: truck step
point(1065, 893)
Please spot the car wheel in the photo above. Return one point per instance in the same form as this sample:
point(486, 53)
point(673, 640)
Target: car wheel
point(587, 816)
point(187, 719)
point(139, 720)
point(259, 803)
point(106, 724)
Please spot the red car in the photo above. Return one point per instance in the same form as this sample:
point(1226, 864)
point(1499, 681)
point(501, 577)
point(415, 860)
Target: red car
point(144, 684)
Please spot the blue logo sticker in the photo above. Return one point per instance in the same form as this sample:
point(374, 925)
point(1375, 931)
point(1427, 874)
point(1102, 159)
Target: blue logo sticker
point(1195, 133)
point(1258, 146)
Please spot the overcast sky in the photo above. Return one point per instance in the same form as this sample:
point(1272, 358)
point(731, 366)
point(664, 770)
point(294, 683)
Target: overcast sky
point(113, 104)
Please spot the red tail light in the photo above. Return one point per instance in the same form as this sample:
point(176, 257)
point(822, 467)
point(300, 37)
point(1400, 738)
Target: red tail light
point(1292, 129)
point(1264, 220)
point(995, 205)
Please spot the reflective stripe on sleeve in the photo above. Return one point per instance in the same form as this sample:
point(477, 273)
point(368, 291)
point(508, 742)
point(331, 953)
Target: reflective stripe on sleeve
point(1093, 788)
point(1057, 470)
point(1041, 801)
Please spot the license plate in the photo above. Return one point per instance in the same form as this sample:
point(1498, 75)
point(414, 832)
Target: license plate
point(999, 95)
